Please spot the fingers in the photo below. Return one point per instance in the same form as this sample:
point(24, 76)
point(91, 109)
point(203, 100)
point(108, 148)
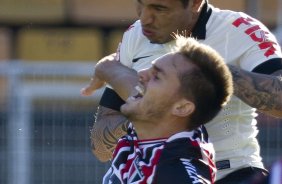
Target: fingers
point(94, 84)
point(87, 91)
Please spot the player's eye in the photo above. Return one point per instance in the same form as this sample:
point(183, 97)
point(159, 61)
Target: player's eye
point(155, 76)
point(160, 8)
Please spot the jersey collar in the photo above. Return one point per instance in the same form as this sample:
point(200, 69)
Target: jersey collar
point(199, 31)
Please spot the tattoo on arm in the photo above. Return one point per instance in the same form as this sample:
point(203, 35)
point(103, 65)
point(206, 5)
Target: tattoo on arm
point(109, 126)
point(260, 91)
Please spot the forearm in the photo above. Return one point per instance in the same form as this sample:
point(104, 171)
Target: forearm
point(109, 126)
point(95, 82)
point(121, 78)
point(260, 91)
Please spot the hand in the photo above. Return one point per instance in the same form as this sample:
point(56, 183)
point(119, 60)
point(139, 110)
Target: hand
point(94, 84)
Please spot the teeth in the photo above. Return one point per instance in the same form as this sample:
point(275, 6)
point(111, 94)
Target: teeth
point(140, 90)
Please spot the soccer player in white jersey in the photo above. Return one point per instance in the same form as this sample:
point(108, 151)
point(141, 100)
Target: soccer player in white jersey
point(247, 46)
point(167, 112)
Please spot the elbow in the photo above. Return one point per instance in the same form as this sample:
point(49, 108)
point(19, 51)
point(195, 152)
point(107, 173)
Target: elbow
point(103, 66)
point(100, 68)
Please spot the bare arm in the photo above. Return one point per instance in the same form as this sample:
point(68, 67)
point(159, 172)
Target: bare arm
point(109, 124)
point(260, 91)
point(96, 83)
point(121, 78)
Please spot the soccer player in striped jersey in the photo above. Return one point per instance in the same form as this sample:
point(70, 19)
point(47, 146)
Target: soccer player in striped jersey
point(182, 90)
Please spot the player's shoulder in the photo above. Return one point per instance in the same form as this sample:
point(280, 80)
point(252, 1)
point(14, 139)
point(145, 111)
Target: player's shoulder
point(225, 15)
point(237, 26)
point(134, 29)
point(133, 36)
point(233, 19)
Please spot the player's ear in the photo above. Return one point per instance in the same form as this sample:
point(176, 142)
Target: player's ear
point(183, 108)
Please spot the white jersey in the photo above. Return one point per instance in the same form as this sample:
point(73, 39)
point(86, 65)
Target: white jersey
point(242, 41)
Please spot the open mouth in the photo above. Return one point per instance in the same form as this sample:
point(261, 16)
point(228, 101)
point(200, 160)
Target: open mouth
point(140, 92)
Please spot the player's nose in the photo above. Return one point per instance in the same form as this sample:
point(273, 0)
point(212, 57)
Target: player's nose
point(144, 76)
point(146, 16)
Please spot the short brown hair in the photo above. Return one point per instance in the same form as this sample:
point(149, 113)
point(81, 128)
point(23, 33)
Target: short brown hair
point(209, 84)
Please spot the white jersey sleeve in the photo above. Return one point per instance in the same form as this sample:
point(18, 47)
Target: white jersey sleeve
point(241, 40)
point(262, 44)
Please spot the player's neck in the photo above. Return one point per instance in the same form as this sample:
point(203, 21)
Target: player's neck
point(156, 130)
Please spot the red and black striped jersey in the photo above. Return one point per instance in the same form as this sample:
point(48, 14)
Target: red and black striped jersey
point(186, 157)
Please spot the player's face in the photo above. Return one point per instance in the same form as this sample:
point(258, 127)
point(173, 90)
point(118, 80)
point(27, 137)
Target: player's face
point(160, 86)
point(161, 18)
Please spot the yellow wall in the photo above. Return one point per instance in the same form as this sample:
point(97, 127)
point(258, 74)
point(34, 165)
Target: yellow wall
point(5, 44)
point(236, 5)
point(105, 12)
point(60, 44)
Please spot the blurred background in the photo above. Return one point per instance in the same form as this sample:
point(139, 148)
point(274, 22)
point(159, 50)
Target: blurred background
point(47, 52)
